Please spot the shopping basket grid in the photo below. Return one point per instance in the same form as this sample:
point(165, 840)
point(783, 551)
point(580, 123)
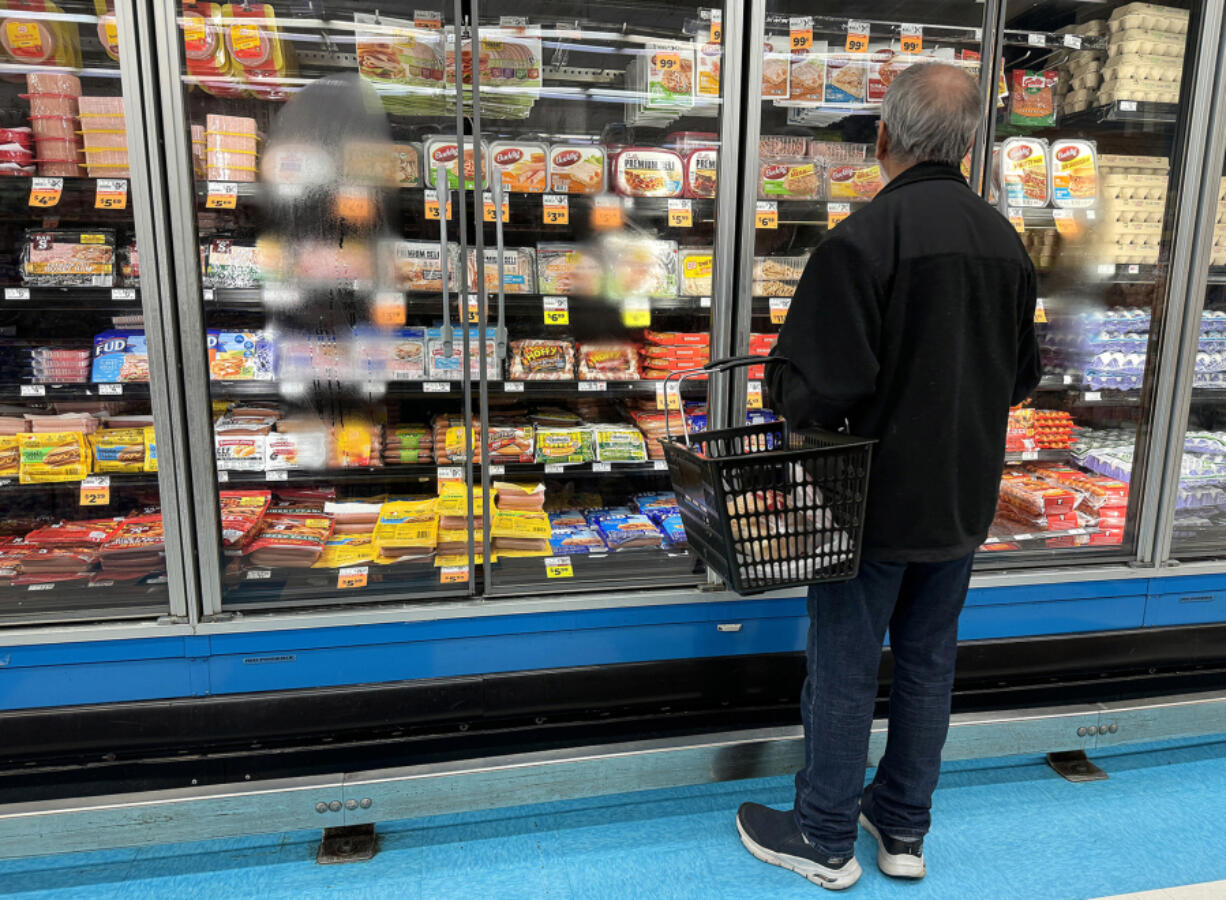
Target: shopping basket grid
point(767, 506)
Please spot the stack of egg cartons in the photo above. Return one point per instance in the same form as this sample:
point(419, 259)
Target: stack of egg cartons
point(53, 116)
point(230, 152)
point(1133, 191)
point(1144, 54)
point(1081, 70)
point(106, 137)
point(1219, 228)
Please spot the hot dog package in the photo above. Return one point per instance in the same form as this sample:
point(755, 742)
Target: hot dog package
point(118, 449)
point(291, 537)
point(241, 515)
point(542, 360)
point(53, 456)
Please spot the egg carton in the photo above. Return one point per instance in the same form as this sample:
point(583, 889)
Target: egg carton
point(1081, 61)
point(1160, 163)
point(1089, 81)
point(1120, 90)
point(1154, 68)
point(1140, 43)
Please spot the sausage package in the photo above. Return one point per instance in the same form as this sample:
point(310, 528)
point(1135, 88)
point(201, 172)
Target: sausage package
point(292, 537)
point(405, 526)
point(576, 169)
point(118, 449)
point(53, 456)
point(648, 172)
point(347, 549)
point(564, 445)
point(241, 515)
point(612, 361)
point(10, 456)
point(542, 360)
point(619, 443)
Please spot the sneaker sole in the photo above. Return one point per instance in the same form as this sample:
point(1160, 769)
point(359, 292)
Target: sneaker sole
point(830, 879)
point(895, 866)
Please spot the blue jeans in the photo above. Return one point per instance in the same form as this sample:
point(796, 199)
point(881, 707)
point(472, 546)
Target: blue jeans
point(919, 603)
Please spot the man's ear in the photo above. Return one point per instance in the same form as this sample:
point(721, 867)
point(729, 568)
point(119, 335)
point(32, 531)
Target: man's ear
point(883, 140)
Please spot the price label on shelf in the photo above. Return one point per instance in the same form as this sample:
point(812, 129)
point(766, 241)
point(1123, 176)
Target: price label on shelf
point(487, 207)
point(474, 309)
point(1036, 40)
point(1017, 220)
point(1107, 269)
point(636, 312)
point(123, 293)
point(836, 213)
point(569, 31)
point(1072, 41)
point(259, 574)
point(558, 567)
point(389, 311)
point(1128, 106)
point(1091, 396)
point(453, 575)
point(433, 203)
point(911, 38)
point(355, 204)
point(801, 30)
point(221, 195)
point(1134, 269)
point(498, 470)
point(666, 61)
point(276, 475)
point(16, 293)
point(554, 468)
point(704, 302)
point(33, 390)
point(716, 33)
point(857, 36)
point(668, 395)
point(601, 467)
point(428, 18)
point(557, 311)
point(753, 396)
point(779, 307)
point(680, 214)
point(222, 476)
point(96, 491)
point(1030, 455)
point(435, 387)
point(111, 193)
point(1066, 223)
point(46, 192)
point(660, 465)
point(590, 386)
point(607, 212)
point(449, 473)
point(555, 209)
point(766, 214)
point(513, 387)
point(110, 390)
point(352, 577)
point(1040, 312)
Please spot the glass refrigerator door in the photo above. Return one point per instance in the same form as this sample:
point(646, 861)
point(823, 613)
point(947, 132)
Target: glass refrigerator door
point(600, 137)
point(81, 531)
point(1089, 124)
point(330, 354)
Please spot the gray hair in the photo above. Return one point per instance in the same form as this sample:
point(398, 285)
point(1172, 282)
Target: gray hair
point(930, 113)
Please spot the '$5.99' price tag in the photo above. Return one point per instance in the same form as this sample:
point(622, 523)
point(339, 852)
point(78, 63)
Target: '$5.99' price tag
point(111, 193)
point(558, 567)
point(680, 214)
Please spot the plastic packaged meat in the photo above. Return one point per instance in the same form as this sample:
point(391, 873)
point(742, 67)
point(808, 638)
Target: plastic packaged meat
point(697, 266)
point(564, 445)
point(776, 63)
point(120, 355)
point(576, 169)
point(1024, 172)
point(65, 258)
point(640, 267)
point(518, 269)
point(262, 59)
point(289, 537)
point(648, 172)
point(445, 151)
point(612, 361)
point(542, 360)
point(569, 269)
point(408, 164)
point(1074, 177)
point(781, 145)
point(789, 179)
point(1033, 99)
point(523, 165)
point(416, 265)
point(701, 173)
point(205, 51)
point(854, 181)
point(846, 80)
point(807, 76)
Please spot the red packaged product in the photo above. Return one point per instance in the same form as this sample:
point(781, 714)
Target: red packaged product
point(139, 543)
point(677, 338)
point(293, 540)
point(58, 561)
point(1035, 498)
point(687, 353)
point(48, 578)
point(241, 515)
point(613, 361)
point(85, 533)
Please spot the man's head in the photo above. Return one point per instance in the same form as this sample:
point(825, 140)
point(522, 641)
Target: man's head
point(929, 114)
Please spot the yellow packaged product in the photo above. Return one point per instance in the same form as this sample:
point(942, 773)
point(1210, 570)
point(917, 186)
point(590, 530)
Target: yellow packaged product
point(517, 523)
point(57, 456)
point(10, 455)
point(406, 524)
point(205, 52)
point(347, 550)
point(151, 450)
point(453, 499)
point(40, 38)
point(451, 560)
point(119, 449)
point(254, 41)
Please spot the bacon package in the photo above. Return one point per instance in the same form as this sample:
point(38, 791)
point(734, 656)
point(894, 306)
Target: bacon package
point(612, 361)
point(242, 512)
point(542, 360)
point(292, 537)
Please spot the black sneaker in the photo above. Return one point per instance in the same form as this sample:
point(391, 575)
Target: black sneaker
point(897, 857)
point(773, 837)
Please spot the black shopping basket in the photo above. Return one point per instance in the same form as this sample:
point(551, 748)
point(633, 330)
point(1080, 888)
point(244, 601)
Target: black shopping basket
point(767, 506)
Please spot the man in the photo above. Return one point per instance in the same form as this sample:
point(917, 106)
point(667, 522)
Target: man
point(914, 324)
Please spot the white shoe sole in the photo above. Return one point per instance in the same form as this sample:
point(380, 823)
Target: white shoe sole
point(831, 879)
point(896, 866)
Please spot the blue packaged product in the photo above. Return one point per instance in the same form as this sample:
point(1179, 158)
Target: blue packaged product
point(629, 532)
point(646, 503)
point(670, 524)
point(567, 518)
point(576, 541)
point(596, 514)
point(120, 355)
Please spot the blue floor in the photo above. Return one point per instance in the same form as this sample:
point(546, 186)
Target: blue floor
point(1003, 829)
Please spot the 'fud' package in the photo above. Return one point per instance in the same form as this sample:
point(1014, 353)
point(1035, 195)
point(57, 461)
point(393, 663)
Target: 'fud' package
point(120, 355)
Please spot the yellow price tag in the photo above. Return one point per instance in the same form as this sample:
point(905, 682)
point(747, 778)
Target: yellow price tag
point(352, 577)
point(96, 491)
point(558, 567)
point(1017, 220)
point(221, 195)
point(836, 213)
point(753, 398)
point(453, 575)
point(857, 37)
point(555, 209)
point(46, 192)
point(766, 214)
point(389, 311)
point(779, 307)
point(111, 193)
point(432, 205)
point(487, 208)
point(911, 38)
point(680, 214)
point(801, 32)
point(637, 313)
point(1066, 223)
point(607, 213)
point(716, 34)
point(1040, 312)
point(668, 395)
point(355, 205)
point(474, 309)
point(666, 62)
point(557, 311)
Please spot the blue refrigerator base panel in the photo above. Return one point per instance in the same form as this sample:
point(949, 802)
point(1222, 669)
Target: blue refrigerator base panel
point(49, 675)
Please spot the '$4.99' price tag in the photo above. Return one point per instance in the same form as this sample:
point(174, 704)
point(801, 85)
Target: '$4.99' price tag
point(558, 567)
point(96, 491)
point(46, 191)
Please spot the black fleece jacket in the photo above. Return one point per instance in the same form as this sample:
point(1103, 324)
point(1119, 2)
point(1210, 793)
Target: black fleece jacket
point(914, 323)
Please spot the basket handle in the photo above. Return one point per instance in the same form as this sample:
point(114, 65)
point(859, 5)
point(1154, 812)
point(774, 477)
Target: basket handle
point(719, 365)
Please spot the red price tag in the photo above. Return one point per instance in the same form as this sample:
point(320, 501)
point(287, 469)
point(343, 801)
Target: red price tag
point(857, 37)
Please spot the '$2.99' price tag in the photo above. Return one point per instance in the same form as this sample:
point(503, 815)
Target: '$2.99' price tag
point(96, 491)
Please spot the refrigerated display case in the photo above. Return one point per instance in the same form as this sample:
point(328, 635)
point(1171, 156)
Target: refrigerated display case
point(397, 265)
point(1080, 147)
point(84, 396)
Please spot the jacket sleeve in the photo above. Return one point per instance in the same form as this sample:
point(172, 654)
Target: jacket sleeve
point(829, 339)
point(1029, 362)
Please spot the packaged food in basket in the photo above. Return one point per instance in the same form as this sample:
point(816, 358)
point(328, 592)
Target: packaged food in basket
point(697, 266)
point(612, 361)
point(518, 269)
point(619, 443)
point(54, 456)
point(1024, 172)
point(639, 266)
point(241, 515)
point(1074, 178)
point(701, 172)
point(776, 63)
point(66, 258)
point(417, 265)
point(1032, 101)
point(795, 178)
point(542, 360)
point(570, 269)
point(523, 165)
point(564, 445)
point(576, 169)
point(648, 172)
point(854, 181)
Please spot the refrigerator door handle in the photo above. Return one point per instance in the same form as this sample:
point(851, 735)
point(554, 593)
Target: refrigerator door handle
point(443, 194)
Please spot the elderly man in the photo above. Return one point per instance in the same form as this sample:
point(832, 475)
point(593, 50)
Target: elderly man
point(913, 324)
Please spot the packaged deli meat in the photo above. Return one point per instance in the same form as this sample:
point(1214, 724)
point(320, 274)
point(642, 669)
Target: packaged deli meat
point(776, 62)
point(576, 169)
point(1032, 101)
point(782, 145)
point(446, 152)
point(518, 269)
point(846, 80)
point(66, 258)
point(542, 360)
point(120, 355)
point(648, 172)
point(794, 178)
point(569, 269)
point(807, 76)
point(523, 165)
point(639, 267)
point(1074, 176)
point(289, 537)
point(611, 361)
point(241, 515)
point(416, 265)
point(854, 181)
point(407, 158)
point(1024, 172)
point(701, 173)
point(696, 265)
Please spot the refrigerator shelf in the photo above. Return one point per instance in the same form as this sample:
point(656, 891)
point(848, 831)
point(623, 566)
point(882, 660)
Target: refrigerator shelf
point(19, 298)
point(84, 391)
point(518, 304)
point(693, 387)
point(427, 472)
point(124, 481)
point(1037, 456)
